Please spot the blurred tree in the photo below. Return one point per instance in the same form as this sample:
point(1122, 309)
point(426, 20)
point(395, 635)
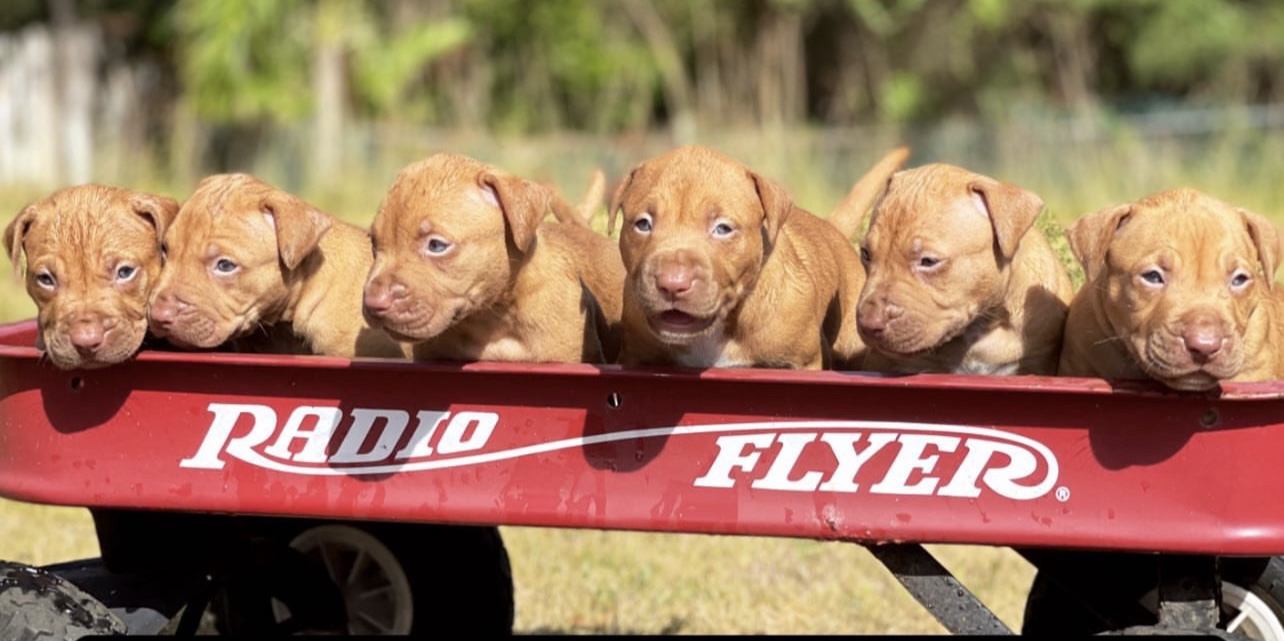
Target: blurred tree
point(623, 65)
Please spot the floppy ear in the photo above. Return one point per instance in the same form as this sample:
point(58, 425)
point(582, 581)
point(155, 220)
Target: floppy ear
point(14, 233)
point(1012, 211)
point(523, 204)
point(776, 204)
point(299, 226)
point(158, 210)
point(1267, 240)
point(617, 199)
point(1091, 234)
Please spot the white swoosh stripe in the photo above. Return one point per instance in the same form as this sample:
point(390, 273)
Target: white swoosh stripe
point(581, 441)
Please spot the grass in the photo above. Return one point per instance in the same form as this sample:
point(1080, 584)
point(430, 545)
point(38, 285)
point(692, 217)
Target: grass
point(589, 581)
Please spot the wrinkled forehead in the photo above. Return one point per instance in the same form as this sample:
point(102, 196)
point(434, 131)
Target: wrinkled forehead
point(221, 208)
point(932, 199)
point(1199, 226)
point(926, 190)
point(433, 194)
point(692, 187)
point(90, 220)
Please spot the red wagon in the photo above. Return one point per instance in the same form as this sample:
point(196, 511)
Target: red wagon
point(241, 481)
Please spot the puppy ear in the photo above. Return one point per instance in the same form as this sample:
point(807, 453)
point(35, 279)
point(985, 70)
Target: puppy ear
point(299, 226)
point(1267, 240)
point(14, 233)
point(158, 210)
point(776, 204)
point(617, 200)
point(1091, 234)
point(523, 204)
point(1012, 211)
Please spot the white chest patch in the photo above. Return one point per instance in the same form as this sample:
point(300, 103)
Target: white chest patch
point(977, 366)
point(505, 349)
point(714, 350)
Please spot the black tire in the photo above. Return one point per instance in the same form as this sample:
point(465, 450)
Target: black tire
point(442, 579)
point(1116, 592)
point(36, 605)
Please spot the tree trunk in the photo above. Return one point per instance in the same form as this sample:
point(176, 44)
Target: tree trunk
point(677, 86)
point(330, 91)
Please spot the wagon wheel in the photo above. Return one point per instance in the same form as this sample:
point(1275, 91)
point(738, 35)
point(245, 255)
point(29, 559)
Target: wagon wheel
point(37, 605)
point(1252, 599)
point(386, 579)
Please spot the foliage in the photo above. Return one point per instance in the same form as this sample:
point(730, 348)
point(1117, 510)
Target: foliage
point(241, 58)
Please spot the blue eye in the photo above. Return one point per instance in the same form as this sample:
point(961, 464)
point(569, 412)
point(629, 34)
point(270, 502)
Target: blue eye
point(864, 255)
point(722, 230)
point(1153, 277)
point(437, 246)
point(643, 224)
point(46, 280)
point(225, 266)
point(126, 272)
point(927, 262)
point(1240, 279)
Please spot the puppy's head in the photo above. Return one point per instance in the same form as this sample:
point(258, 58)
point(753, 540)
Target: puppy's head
point(92, 256)
point(937, 255)
point(1178, 274)
point(697, 227)
point(449, 238)
point(231, 253)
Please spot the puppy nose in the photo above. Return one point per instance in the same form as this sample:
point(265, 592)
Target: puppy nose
point(377, 299)
point(164, 309)
point(675, 281)
point(87, 335)
point(380, 296)
point(873, 317)
point(1203, 337)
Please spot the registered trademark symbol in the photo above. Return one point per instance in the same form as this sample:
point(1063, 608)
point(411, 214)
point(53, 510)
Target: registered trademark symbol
point(1063, 494)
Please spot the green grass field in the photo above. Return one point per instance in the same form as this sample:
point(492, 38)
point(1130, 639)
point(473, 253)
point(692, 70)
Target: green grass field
point(586, 581)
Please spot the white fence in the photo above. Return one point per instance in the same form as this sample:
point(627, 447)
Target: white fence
point(60, 101)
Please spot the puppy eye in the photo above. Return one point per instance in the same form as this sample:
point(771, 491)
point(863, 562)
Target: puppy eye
point(46, 280)
point(643, 224)
point(722, 230)
point(864, 255)
point(164, 250)
point(126, 273)
point(1153, 277)
point(928, 262)
point(1240, 280)
point(225, 266)
point(437, 246)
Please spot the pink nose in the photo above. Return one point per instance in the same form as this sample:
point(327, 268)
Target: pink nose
point(164, 308)
point(1203, 343)
point(87, 335)
point(1203, 336)
point(380, 296)
point(873, 317)
point(675, 280)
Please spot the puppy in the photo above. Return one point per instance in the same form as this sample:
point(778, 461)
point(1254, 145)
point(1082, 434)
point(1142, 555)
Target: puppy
point(725, 271)
point(959, 279)
point(92, 257)
point(465, 270)
point(1180, 289)
point(243, 257)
